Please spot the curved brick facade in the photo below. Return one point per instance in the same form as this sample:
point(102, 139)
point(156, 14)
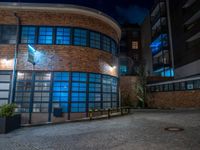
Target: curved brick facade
point(66, 58)
point(56, 18)
point(75, 76)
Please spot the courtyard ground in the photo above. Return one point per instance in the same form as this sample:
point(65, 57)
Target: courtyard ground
point(137, 131)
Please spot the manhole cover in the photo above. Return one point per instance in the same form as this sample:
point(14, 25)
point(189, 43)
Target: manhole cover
point(174, 129)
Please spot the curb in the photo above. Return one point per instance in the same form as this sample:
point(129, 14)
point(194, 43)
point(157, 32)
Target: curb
point(73, 121)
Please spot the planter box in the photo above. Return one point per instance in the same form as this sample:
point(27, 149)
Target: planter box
point(8, 124)
point(57, 112)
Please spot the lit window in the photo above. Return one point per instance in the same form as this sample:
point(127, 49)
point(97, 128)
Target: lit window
point(78, 107)
point(94, 40)
point(80, 37)
point(79, 76)
point(4, 88)
point(106, 43)
point(45, 35)
point(63, 36)
point(78, 97)
point(93, 87)
point(28, 35)
point(94, 97)
point(95, 78)
point(123, 69)
point(41, 92)
point(60, 90)
point(135, 45)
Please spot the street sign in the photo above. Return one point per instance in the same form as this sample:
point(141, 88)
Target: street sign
point(31, 54)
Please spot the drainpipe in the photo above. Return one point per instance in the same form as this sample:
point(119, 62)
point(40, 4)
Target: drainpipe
point(15, 59)
point(170, 37)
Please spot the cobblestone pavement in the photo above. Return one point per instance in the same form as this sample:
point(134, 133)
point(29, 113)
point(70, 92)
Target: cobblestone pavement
point(138, 131)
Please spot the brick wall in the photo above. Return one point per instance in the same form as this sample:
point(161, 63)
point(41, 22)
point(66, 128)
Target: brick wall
point(128, 91)
point(176, 99)
point(52, 18)
point(60, 58)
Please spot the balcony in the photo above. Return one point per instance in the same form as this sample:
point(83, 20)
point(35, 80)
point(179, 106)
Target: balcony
point(192, 29)
point(156, 6)
point(191, 10)
point(162, 29)
point(161, 13)
point(159, 44)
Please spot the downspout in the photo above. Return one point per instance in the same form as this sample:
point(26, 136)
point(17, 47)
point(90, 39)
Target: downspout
point(14, 73)
point(170, 36)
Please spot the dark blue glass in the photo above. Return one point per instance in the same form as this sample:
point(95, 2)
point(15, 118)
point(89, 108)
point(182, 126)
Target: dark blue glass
point(45, 35)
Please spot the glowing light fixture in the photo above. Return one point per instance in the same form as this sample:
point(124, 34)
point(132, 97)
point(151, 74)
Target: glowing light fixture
point(31, 48)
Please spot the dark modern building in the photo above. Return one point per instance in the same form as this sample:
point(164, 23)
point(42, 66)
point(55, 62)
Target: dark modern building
point(73, 60)
point(184, 33)
point(161, 45)
point(185, 24)
point(130, 49)
point(145, 45)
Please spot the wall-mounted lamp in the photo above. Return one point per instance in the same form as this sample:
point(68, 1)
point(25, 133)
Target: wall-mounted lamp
point(6, 62)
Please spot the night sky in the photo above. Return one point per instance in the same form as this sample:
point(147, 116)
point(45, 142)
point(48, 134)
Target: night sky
point(131, 11)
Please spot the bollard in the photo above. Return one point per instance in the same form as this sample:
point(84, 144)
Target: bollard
point(108, 113)
point(128, 110)
point(90, 114)
point(122, 111)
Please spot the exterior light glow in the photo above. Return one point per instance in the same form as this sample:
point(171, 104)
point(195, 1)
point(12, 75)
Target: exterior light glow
point(114, 67)
point(6, 62)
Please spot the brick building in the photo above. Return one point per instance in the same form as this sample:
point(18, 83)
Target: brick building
point(75, 54)
point(130, 49)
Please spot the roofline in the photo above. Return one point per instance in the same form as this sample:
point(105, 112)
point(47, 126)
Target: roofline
point(64, 7)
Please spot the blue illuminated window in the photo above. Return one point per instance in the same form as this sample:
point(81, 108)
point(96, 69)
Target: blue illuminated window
point(78, 97)
point(78, 86)
point(114, 85)
point(60, 96)
point(78, 107)
point(63, 36)
point(61, 76)
point(106, 88)
point(94, 97)
point(60, 87)
point(123, 69)
point(94, 87)
point(95, 78)
point(167, 73)
point(45, 35)
point(158, 43)
point(28, 35)
point(107, 79)
point(94, 40)
point(106, 43)
point(80, 37)
point(79, 76)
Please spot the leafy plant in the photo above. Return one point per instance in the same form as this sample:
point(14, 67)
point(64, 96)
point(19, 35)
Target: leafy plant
point(7, 110)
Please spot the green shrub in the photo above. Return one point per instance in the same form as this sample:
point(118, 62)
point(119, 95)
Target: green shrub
point(7, 110)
